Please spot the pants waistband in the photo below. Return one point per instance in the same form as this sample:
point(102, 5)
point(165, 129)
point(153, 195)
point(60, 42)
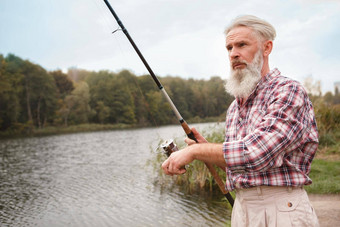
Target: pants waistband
point(267, 190)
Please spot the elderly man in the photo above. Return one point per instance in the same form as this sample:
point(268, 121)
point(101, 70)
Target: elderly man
point(270, 135)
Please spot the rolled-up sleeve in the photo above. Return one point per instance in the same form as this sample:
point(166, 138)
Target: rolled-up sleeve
point(234, 155)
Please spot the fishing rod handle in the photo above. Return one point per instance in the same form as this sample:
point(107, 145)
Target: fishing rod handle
point(187, 130)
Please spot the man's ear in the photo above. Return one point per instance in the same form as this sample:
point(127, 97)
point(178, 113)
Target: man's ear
point(267, 48)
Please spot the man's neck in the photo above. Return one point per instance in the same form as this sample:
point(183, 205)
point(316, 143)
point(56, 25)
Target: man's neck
point(265, 68)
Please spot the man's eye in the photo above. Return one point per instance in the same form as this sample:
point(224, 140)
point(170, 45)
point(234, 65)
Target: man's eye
point(242, 44)
point(229, 48)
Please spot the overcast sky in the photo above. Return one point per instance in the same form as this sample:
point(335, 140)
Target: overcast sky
point(177, 37)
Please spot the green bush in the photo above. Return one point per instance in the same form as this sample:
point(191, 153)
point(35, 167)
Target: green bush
point(327, 139)
point(328, 122)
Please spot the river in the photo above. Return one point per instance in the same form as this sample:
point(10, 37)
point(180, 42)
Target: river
point(97, 179)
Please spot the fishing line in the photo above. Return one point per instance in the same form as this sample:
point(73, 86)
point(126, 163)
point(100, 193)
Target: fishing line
point(103, 12)
point(146, 104)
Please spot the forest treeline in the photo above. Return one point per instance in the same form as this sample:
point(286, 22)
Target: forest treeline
point(32, 97)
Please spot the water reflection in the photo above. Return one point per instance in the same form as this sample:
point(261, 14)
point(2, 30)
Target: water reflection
point(96, 179)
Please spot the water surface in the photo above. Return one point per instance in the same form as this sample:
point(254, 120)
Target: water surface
point(97, 179)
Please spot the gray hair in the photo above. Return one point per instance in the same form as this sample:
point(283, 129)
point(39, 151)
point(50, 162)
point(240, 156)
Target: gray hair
point(261, 27)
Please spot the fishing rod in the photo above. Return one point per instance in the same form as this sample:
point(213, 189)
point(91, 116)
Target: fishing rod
point(183, 123)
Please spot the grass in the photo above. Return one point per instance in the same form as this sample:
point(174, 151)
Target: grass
point(326, 177)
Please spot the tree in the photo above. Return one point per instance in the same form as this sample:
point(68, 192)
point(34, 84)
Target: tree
point(159, 110)
point(336, 99)
point(181, 94)
point(312, 87)
point(40, 92)
point(101, 95)
point(47, 100)
point(77, 107)
point(328, 98)
point(103, 112)
point(10, 89)
point(63, 82)
point(122, 105)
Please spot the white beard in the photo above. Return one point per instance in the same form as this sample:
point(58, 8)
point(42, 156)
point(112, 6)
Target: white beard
point(242, 82)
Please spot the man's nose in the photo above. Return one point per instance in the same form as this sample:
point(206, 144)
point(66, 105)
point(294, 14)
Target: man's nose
point(234, 54)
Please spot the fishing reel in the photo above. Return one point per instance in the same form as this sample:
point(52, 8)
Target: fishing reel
point(168, 147)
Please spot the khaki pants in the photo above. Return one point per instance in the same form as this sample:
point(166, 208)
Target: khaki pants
point(273, 206)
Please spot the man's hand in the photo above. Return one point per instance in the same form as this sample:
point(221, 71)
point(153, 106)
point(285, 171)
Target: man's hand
point(203, 151)
point(198, 136)
point(177, 160)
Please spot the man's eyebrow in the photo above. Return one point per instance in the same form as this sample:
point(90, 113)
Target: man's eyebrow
point(242, 41)
point(237, 42)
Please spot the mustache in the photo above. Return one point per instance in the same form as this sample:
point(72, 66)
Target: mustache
point(235, 62)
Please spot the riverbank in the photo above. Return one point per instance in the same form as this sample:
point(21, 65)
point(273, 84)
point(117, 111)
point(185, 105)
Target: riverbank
point(51, 130)
point(26, 130)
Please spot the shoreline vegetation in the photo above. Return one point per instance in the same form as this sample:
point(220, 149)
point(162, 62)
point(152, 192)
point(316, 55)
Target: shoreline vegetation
point(25, 131)
point(58, 130)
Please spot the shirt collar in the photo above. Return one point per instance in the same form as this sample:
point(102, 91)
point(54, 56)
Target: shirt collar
point(264, 80)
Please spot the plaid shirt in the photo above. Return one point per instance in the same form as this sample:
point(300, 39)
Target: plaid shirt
point(272, 138)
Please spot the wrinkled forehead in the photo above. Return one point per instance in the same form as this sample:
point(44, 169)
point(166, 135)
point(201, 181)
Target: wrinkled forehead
point(240, 33)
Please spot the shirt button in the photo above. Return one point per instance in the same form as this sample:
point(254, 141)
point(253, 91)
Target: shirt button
point(240, 119)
